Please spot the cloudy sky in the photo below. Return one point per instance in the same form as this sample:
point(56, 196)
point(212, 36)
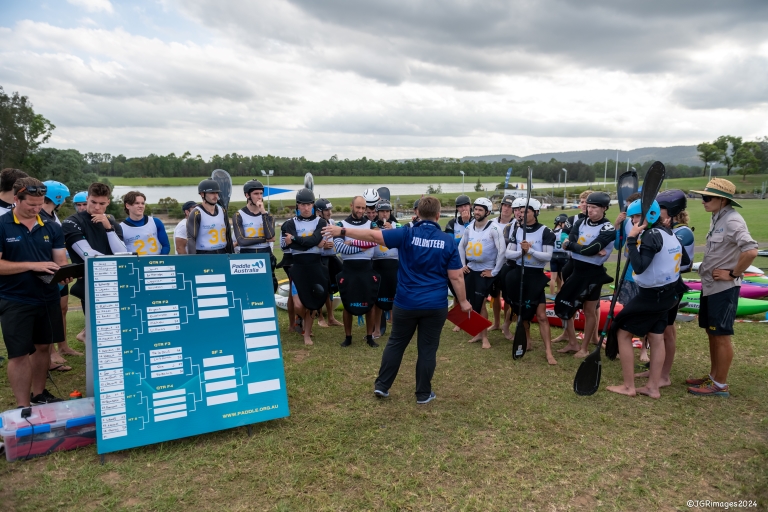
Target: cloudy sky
point(387, 79)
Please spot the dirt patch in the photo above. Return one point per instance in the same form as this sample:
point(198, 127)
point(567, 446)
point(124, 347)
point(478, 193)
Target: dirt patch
point(110, 478)
point(300, 355)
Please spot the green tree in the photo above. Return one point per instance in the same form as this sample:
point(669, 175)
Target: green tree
point(708, 153)
point(729, 146)
point(478, 186)
point(21, 130)
point(747, 159)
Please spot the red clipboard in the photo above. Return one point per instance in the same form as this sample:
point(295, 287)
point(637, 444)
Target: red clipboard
point(471, 324)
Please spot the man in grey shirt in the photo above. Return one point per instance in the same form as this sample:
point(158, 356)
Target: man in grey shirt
point(730, 250)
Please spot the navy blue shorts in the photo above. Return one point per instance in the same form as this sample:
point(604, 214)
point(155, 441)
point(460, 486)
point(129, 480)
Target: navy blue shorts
point(717, 312)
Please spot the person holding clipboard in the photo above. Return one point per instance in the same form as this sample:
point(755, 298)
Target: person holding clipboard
point(428, 260)
point(30, 315)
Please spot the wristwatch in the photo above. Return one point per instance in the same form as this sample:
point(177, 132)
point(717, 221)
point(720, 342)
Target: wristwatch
point(730, 273)
point(343, 232)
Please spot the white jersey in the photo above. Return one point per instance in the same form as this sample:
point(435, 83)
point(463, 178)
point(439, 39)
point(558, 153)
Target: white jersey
point(536, 239)
point(212, 235)
point(332, 251)
point(687, 248)
point(366, 254)
point(382, 252)
point(253, 227)
point(180, 231)
point(587, 234)
point(560, 237)
point(481, 250)
point(142, 239)
point(665, 267)
point(306, 228)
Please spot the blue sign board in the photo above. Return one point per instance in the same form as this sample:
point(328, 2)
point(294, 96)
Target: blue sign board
point(181, 345)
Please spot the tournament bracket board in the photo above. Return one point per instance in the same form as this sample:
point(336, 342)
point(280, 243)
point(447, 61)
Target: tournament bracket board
point(180, 346)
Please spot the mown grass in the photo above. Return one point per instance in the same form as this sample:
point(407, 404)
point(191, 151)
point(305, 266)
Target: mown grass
point(502, 435)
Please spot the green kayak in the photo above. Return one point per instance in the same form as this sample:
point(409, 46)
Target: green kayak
point(745, 307)
point(756, 279)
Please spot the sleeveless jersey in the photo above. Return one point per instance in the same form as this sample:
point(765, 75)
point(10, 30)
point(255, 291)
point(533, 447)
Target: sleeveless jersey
point(587, 235)
point(212, 235)
point(665, 267)
point(306, 228)
point(141, 239)
point(481, 250)
point(687, 248)
point(382, 252)
point(560, 237)
point(253, 227)
point(367, 254)
point(458, 230)
point(536, 240)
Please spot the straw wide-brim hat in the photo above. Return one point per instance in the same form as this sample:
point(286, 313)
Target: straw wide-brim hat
point(719, 187)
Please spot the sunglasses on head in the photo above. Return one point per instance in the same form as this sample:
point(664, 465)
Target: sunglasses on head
point(34, 190)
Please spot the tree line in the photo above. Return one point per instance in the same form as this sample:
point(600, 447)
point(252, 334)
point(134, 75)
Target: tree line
point(733, 153)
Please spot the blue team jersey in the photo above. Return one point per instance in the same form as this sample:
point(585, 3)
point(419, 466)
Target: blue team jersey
point(426, 255)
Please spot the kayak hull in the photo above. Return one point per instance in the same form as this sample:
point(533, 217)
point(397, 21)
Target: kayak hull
point(578, 319)
point(745, 290)
point(745, 306)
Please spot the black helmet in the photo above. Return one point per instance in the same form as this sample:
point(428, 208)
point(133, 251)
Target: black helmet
point(383, 205)
point(415, 204)
point(305, 196)
point(252, 185)
point(673, 201)
point(462, 200)
point(561, 218)
point(322, 205)
point(208, 186)
point(599, 199)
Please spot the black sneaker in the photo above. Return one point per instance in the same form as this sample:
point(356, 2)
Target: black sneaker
point(44, 398)
point(380, 393)
point(347, 341)
point(427, 400)
point(371, 343)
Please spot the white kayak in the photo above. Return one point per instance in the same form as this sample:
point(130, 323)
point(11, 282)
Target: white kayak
point(750, 269)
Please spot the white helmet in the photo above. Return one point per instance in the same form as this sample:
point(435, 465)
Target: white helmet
point(518, 203)
point(485, 203)
point(371, 196)
point(534, 204)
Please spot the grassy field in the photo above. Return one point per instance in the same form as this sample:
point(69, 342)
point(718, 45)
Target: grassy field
point(319, 180)
point(501, 435)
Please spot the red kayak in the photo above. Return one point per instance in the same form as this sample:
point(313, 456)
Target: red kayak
point(748, 291)
point(605, 305)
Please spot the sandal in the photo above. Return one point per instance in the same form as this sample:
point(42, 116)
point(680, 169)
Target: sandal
point(60, 368)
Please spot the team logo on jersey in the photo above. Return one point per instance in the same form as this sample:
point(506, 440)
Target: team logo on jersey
point(14, 239)
point(239, 267)
point(607, 227)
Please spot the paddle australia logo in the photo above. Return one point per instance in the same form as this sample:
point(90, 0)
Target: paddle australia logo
point(13, 239)
point(239, 267)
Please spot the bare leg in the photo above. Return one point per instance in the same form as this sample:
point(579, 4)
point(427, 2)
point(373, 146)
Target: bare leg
point(496, 306)
point(306, 315)
point(369, 323)
point(507, 322)
point(651, 389)
point(64, 348)
point(723, 357)
point(527, 327)
point(376, 320)
point(331, 317)
point(38, 365)
point(484, 334)
point(347, 318)
point(570, 335)
point(627, 365)
point(541, 315)
point(590, 323)
point(552, 282)
point(20, 378)
point(644, 351)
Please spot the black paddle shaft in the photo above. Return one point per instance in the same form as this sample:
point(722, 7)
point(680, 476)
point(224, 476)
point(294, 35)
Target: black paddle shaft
point(520, 340)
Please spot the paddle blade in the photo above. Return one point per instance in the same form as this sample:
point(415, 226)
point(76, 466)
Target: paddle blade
point(627, 185)
point(587, 380)
point(309, 181)
point(651, 185)
point(519, 342)
point(222, 177)
point(384, 193)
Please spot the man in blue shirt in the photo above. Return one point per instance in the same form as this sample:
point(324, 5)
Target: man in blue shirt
point(428, 259)
point(30, 315)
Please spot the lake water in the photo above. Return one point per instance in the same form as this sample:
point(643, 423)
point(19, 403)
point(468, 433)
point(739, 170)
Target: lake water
point(189, 193)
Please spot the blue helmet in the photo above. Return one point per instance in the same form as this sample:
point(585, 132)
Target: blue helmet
point(80, 197)
point(652, 215)
point(57, 192)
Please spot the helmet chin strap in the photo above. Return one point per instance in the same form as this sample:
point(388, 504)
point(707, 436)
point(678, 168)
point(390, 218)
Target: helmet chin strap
point(205, 198)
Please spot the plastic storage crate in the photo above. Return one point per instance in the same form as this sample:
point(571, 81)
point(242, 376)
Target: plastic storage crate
point(54, 427)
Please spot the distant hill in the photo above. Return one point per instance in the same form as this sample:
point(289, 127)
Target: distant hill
point(672, 155)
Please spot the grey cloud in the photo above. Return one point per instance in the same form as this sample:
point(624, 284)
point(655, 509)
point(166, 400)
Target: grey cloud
point(487, 37)
point(742, 84)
